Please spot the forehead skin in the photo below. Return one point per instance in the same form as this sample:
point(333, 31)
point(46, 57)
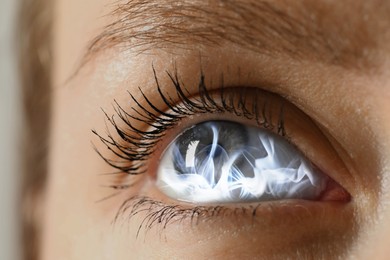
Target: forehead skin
point(302, 29)
point(307, 30)
point(353, 54)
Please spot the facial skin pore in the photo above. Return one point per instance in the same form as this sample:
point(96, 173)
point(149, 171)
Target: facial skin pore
point(328, 58)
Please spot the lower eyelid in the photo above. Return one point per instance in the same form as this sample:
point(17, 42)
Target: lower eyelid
point(291, 223)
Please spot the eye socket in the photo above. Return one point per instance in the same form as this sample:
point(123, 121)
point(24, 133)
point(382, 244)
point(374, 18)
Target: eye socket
point(149, 151)
point(229, 162)
point(165, 136)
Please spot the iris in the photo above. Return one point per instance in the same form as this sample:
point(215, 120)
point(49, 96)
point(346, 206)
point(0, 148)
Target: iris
point(228, 162)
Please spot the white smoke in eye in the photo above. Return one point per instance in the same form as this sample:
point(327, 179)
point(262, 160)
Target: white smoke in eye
point(283, 173)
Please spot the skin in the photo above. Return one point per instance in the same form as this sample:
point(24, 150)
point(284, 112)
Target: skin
point(348, 103)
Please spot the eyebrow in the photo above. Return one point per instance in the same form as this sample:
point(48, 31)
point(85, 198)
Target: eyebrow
point(318, 31)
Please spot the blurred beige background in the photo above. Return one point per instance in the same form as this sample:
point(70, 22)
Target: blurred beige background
point(9, 129)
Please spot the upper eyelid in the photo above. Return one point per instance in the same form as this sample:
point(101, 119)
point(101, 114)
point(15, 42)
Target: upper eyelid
point(138, 143)
point(136, 151)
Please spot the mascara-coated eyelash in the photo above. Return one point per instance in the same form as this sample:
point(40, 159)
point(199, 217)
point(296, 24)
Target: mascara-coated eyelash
point(136, 145)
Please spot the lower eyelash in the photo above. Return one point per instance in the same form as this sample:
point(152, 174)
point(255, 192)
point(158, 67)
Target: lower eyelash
point(159, 214)
point(136, 145)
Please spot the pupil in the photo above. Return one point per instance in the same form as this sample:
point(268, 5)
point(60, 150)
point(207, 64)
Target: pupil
point(209, 162)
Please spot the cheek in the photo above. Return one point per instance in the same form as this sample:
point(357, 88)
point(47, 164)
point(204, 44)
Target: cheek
point(76, 218)
point(74, 222)
point(378, 232)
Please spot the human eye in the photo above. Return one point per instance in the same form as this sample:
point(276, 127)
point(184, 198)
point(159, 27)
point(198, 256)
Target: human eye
point(224, 161)
point(224, 154)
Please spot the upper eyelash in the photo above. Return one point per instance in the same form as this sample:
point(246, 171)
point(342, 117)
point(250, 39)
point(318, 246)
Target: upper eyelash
point(136, 145)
